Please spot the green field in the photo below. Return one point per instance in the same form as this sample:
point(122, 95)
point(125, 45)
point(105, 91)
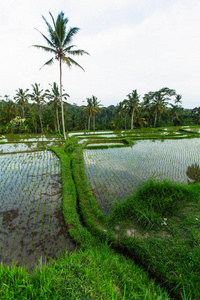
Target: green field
point(108, 202)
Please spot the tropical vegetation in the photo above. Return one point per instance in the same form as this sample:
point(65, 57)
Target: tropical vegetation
point(160, 108)
point(59, 43)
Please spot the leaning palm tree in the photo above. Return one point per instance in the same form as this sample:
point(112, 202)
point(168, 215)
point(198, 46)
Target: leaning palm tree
point(54, 96)
point(38, 97)
point(22, 98)
point(59, 43)
point(160, 100)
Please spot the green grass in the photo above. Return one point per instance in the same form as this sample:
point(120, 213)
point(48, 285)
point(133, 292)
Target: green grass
point(154, 202)
point(96, 273)
point(169, 252)
point(153, 227)
point(160, 227)
point(93, 271)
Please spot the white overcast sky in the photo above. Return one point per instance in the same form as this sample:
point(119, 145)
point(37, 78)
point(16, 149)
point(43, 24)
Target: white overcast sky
point(133, 44)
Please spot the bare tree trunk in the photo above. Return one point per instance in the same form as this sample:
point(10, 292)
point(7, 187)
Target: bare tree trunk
point(22, 112)
point(40, 118)
point(159, 119)
point(58, 123)
point(34, 125)
point(89, 123)
point(132, 115)
point(94, 122)
point(62, 111)
point(155, 119)
point(55, 125)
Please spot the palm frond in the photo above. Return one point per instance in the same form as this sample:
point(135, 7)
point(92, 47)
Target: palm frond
point(54, 24)
point(48, 63)
point(68, 39)
point(45, 48)
point(66, 60)
point(60, 27)
point(68, 48)
point(50, 29)
point(71, 62)
point(32, 105)
point(77, 52)
point(46, 38)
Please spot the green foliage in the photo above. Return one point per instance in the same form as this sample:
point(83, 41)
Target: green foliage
point(70, 145)
point(69, 203)
point(164, 218)
point(153, 202)
point(164, 221)
point(96, 273)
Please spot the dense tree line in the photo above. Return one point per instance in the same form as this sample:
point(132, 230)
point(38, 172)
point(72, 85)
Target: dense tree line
point(47, 111)
point(39, 111)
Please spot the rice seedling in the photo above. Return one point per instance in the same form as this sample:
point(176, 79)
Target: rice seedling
point(27, 196)
point(117, 173)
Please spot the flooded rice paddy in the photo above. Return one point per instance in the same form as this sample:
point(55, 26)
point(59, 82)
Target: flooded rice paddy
point(27, 142)
point(31, 222)
point(115, 173)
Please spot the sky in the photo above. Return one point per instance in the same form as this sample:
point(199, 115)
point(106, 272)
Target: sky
point(133, 44)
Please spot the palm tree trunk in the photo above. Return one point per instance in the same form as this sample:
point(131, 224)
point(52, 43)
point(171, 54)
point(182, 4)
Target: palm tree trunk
point(94, 122)
point(40, 118)
point(63, 120)
point(22, 112)
point(132, 115)
point(155, 119)
point(89, 123)
point(159, 118)
point(58, 124)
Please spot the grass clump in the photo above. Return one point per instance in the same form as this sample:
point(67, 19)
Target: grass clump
point(153, 202)
point(160, 227)
point(95, 273)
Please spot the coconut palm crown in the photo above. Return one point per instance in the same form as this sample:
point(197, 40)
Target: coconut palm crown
point(59, 44)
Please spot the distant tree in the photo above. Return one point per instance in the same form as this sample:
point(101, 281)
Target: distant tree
point(39, 99)
point(178, 99)
point(160, 100)
point(8, 111)
point(90, 110)
point(96, 104)
point(147, 106)
point(132, 103)
point(174, 114)
point(54, 96)
point(22, 98)
point(59, 43)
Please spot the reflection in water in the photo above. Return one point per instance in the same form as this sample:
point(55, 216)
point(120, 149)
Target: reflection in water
point(193, 172)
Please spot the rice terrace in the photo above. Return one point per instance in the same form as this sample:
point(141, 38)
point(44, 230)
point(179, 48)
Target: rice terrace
point(63, 196)
point(100, 202)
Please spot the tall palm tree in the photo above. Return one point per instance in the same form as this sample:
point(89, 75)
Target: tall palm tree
point(59, 43)
point(96, 104)
point(90, 110)
point(38, 96)
point(132, 104)
point(54, 95)
point(22, 98)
